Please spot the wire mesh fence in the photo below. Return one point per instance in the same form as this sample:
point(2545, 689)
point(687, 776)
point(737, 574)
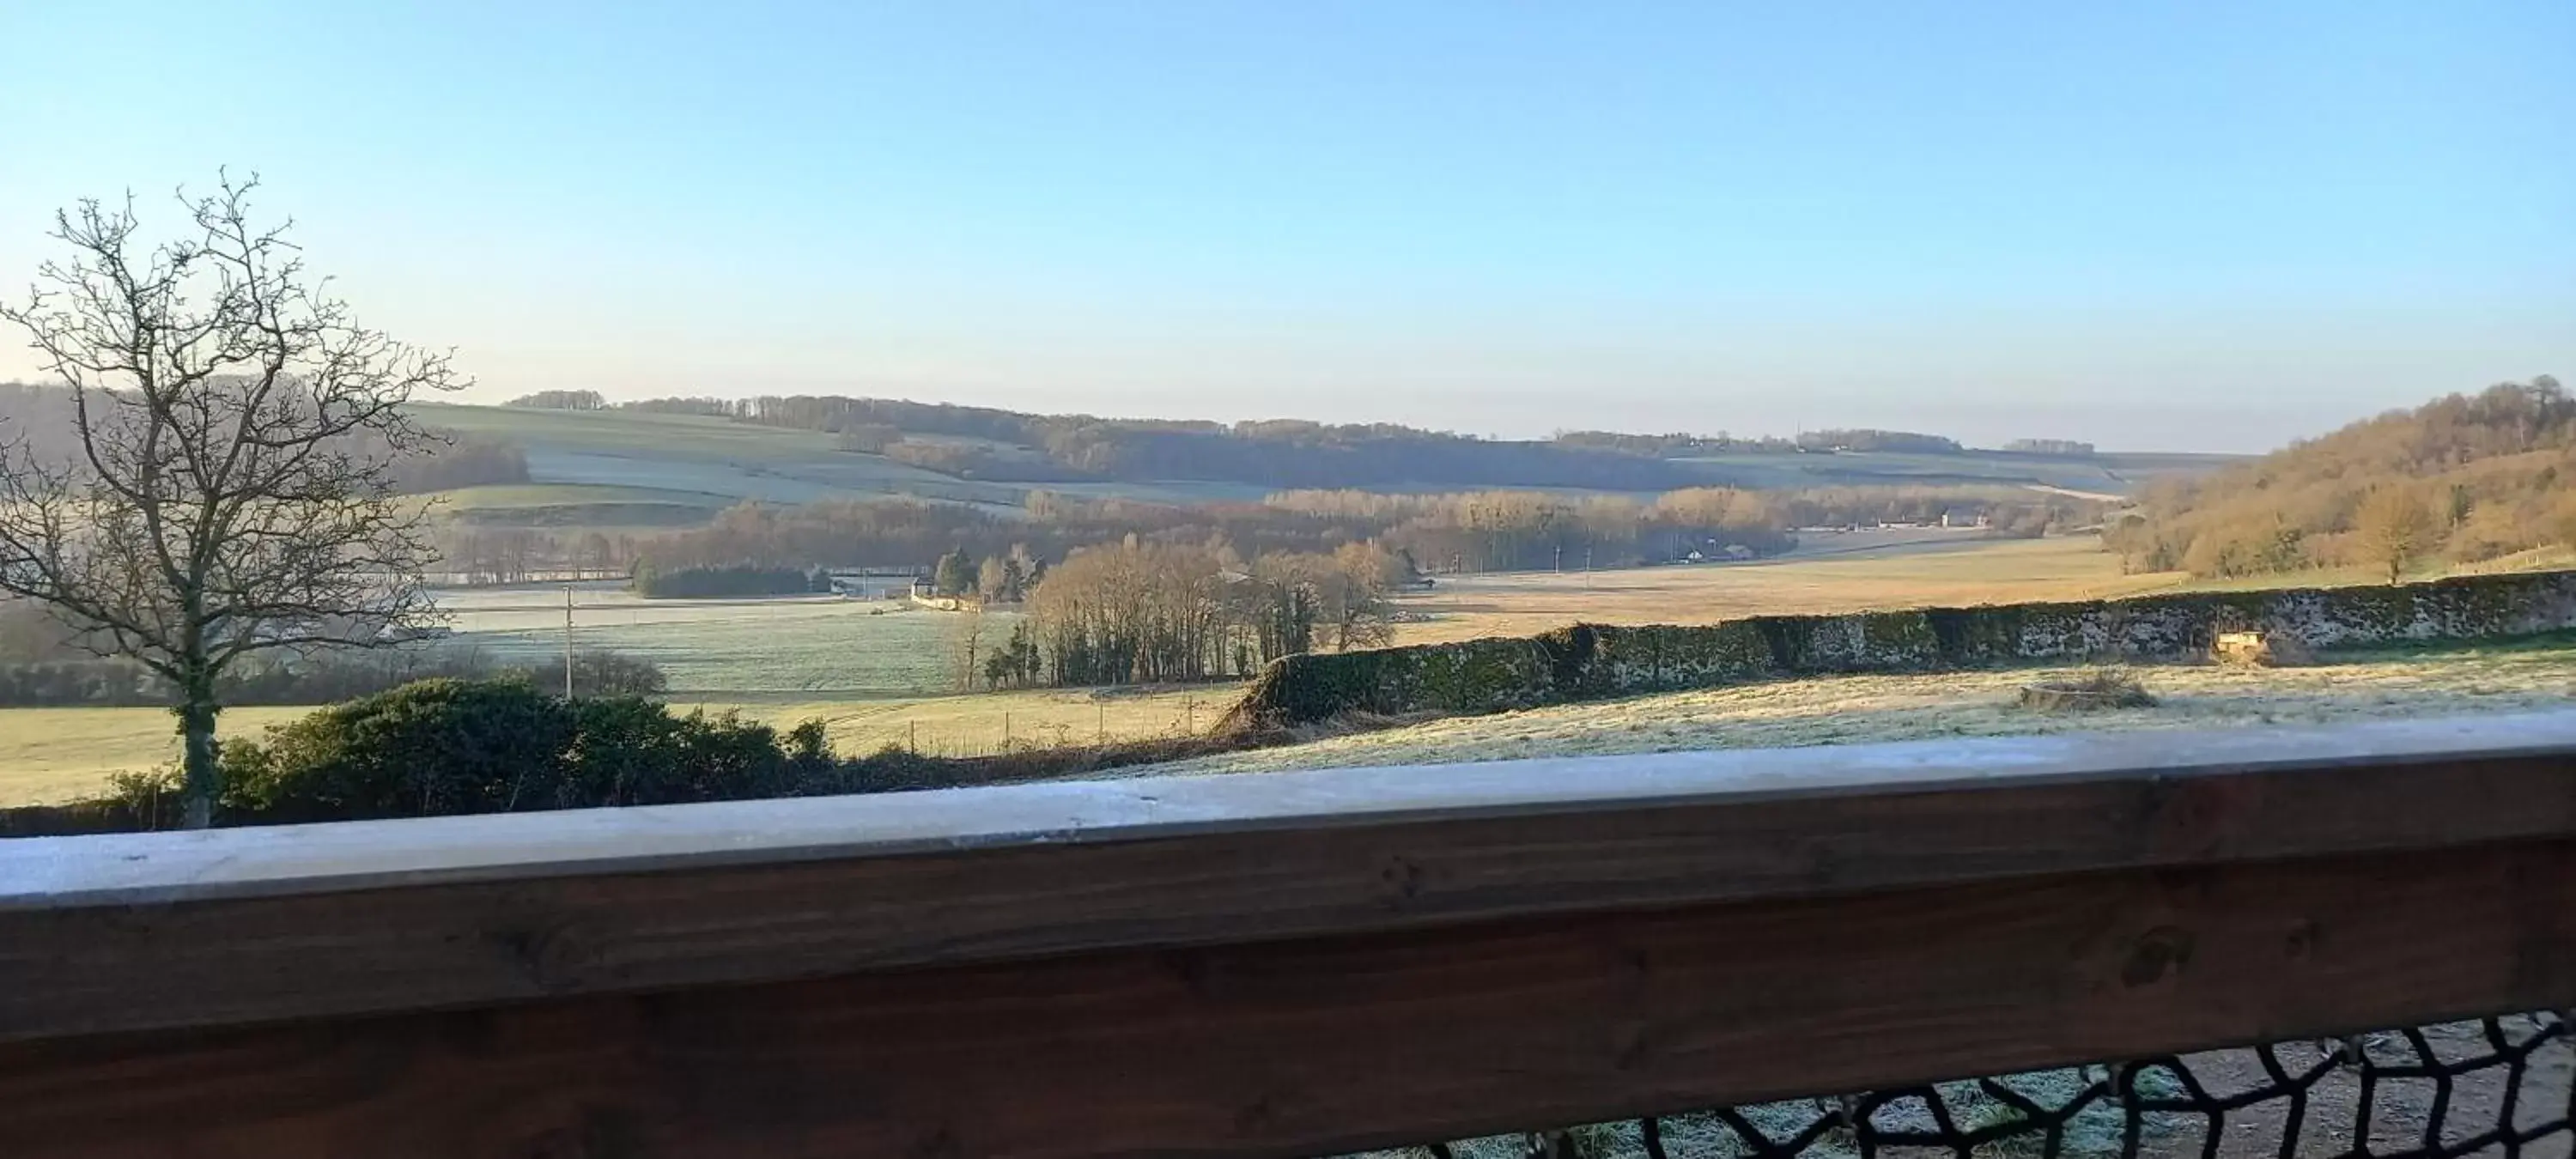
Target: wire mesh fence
point(2495, 1086)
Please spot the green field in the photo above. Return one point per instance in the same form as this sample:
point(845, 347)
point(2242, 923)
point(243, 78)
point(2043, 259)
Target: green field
point(786, 644)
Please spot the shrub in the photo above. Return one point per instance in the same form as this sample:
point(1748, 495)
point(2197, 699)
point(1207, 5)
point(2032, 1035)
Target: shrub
point(425, 749)
point(599, 672)
point(149, 799)
point(497, 746)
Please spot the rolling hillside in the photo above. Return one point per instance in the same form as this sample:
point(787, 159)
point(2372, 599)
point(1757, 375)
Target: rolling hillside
point(651, 469)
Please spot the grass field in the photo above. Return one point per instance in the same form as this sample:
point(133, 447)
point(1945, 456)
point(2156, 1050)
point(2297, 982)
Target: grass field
point(55, 754)
point(723, 648)
point(1861, 709)
point(2111, 474)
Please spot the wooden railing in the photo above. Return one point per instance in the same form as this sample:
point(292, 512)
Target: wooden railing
point(1288, 964)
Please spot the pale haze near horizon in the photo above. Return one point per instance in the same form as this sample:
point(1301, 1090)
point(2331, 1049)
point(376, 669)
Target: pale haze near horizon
point(2195, 227)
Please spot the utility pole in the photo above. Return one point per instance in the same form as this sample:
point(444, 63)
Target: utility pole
point(567, 641)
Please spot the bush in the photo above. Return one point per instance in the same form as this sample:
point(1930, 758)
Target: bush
point(690, 583)
point(599, 672)
point(441, 747)
point(426, 749)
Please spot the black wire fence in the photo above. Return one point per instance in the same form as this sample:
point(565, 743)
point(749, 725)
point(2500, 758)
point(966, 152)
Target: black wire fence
point(2496, 1086)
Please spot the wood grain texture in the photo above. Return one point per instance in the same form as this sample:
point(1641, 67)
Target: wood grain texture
point(151, 868)
point(1310, 1046)
point(129, 961)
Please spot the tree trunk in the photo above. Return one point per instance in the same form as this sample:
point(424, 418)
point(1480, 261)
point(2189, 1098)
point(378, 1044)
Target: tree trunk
point(196, 713)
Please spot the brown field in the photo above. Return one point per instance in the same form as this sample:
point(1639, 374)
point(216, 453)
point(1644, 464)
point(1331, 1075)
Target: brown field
point(1861, 571)
point(1865, 570)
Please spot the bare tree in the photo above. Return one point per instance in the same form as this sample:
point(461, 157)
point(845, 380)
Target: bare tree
point(230, 493)
point(965, 639)
point(2394, 529)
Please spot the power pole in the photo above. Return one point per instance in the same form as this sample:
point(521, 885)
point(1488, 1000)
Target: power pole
point(567, 641)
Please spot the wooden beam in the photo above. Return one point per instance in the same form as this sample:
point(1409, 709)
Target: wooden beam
point(103, 934)
point(1312, 1046)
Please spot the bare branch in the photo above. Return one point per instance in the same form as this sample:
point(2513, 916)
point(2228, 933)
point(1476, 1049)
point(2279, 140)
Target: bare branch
point(232, 490)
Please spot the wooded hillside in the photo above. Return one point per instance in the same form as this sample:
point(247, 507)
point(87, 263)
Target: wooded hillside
point(2465, 478)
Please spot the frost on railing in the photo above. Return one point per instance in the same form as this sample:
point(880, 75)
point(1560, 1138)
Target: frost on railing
point(2495, 1086)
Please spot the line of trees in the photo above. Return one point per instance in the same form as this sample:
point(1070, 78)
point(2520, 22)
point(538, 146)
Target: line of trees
point(560, 400)
point(699, 583)
point(1677, 445)
point(1134, 612)
point(2063, 448)
point(473, 554)
point(1866, 439)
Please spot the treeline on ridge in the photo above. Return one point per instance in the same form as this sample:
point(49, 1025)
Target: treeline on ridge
point(2466, 478)
point(1014, 446)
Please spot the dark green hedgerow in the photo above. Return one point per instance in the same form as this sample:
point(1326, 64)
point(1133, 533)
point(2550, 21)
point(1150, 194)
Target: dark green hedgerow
point(1590, 661)
point(444, 747)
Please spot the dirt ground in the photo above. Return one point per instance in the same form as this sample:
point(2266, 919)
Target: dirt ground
point(2402, 1109)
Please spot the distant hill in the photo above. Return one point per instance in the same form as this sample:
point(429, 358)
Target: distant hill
point(984, 454)
point(2490, 473)
point(570, 458)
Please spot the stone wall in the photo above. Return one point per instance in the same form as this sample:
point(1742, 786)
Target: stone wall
point(1589, 661)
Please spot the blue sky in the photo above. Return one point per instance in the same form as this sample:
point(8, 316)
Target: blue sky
point(2206, 226)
